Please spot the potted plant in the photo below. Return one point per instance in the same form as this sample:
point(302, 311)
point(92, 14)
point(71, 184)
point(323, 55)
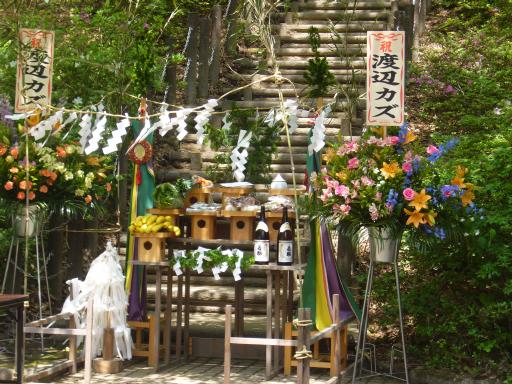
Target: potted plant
point(389, 183)
point(170, 196)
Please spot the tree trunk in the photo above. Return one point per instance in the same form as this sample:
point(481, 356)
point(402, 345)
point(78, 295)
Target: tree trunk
point(170, 74)
point(204, 50)
point(216, 39)
point(191, 53)
point(56, 255)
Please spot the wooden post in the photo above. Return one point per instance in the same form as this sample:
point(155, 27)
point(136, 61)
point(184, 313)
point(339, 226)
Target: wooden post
point(216, 40)
point(204, 50)
point(168, 317)
point(393, 14)
point(307, 342)
point(301, 338)
point(227, 345)
point(186, 338)
point(287, 350)
point(88, 343)
point(335, 338)
point(268, 348)
point(72, 339)
point(191, 53)
point(57, 245)
point(230, 43)
point(170, 74)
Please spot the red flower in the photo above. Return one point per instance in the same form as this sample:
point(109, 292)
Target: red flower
point(20, 195)
point(43, 189)
point(9, 185)
point(31, 195)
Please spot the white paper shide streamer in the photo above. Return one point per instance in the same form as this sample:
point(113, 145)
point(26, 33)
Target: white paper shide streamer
point(202, 118)
point(318, 136)
point(117, 136)
point(99, 127)
point(85, 129)
point(104, 283)
point(239, 158)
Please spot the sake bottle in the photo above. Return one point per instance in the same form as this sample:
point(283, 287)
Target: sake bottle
point(285, 241)
point(261, 240)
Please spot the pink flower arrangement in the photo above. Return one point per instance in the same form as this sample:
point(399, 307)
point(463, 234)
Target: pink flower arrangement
point(353, 163)
point(409, 194)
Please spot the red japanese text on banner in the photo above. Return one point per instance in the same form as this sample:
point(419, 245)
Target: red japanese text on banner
point(34, 73)
point(385, 78)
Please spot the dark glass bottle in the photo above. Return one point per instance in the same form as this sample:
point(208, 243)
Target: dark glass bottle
point(261, 240)
point(285, 241)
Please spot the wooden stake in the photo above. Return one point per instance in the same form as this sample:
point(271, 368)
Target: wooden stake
point(227, 345)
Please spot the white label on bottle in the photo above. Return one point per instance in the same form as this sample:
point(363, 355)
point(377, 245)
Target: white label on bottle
point(285, 254)
point(261, 251)
point(285, 227)
point(263, 226)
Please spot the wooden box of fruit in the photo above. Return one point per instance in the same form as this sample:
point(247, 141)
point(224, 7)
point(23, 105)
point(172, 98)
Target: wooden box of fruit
point(151, 232)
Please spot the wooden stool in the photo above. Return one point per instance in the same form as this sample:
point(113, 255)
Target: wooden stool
point(203, 224)
point(145, 350)
point(241, 224)
point(318, 360)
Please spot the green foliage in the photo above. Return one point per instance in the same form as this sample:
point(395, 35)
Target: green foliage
point(463, 85)
point(263, 146)
point(167, 195)
point(318, 76)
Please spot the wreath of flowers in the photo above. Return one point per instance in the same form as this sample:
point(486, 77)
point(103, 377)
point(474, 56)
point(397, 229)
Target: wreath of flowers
point(141, 153)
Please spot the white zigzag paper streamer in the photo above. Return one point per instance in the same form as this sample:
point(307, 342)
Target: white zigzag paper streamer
point(239, 159)
point(318, 136)
point(226, 125)
point(85, 129)
point(181, 122)
point(99, 127)
point(117, 136)
point(202, 118)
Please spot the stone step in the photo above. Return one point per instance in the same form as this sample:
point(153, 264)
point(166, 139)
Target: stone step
point(325, 15)
point(344, 5)
point(341, 27)
point(288, 36)
point(353, 52)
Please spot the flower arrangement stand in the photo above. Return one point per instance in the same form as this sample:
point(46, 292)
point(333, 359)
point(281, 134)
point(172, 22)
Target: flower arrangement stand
point(241, 224)
point(366, 305)
point(203, 224)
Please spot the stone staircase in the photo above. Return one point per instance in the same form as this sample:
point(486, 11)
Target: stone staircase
point(342, 26)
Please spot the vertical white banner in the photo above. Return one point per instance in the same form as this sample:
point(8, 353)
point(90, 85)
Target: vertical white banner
point(385, 78)
point(34, 74)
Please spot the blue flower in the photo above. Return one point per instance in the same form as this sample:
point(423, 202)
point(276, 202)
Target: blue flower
point(443, 148)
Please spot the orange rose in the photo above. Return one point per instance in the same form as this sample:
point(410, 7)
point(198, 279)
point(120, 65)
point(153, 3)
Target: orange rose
point(31, 195)
point(14, 152)
point(44, 172)
point(9, 185)
point(43, 189)
point(53, 176)
point(20, 195)
point(3, 149)
point(14, 170)
point(88, 199)
point(23, 184)
point(108, 187)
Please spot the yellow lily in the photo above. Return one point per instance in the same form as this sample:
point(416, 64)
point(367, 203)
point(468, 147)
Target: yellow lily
point(420, 200)
point(390, 170)
point(415, 217)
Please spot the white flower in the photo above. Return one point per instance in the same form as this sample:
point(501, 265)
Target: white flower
point(80, 173)
point(79, 192)
point(68, 175)
point(77, 100)
point(466, 234)
point(462, 220)
point(60, 167)
point(376, 170)
point(477, 232)
point(12, 64)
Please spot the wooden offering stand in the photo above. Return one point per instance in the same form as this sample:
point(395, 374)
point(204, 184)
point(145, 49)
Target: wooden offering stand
point(228, 193)
point(173, 212)
point(197, 195)
point(203, 224)
point(151, 246)
point(241, 224)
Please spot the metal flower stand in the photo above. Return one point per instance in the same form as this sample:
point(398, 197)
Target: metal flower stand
point(383, 248)
point(22, 232)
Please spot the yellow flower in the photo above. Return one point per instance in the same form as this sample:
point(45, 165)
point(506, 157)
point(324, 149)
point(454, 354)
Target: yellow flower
point(430, 218)
point(410, 137)
point(415, 217)
point(467, 197)
point(329, 155)
point(379, 131)
point(459, 182)
point(420, 200)
point(342, 176)
point(390, 170)
point(461, 171)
